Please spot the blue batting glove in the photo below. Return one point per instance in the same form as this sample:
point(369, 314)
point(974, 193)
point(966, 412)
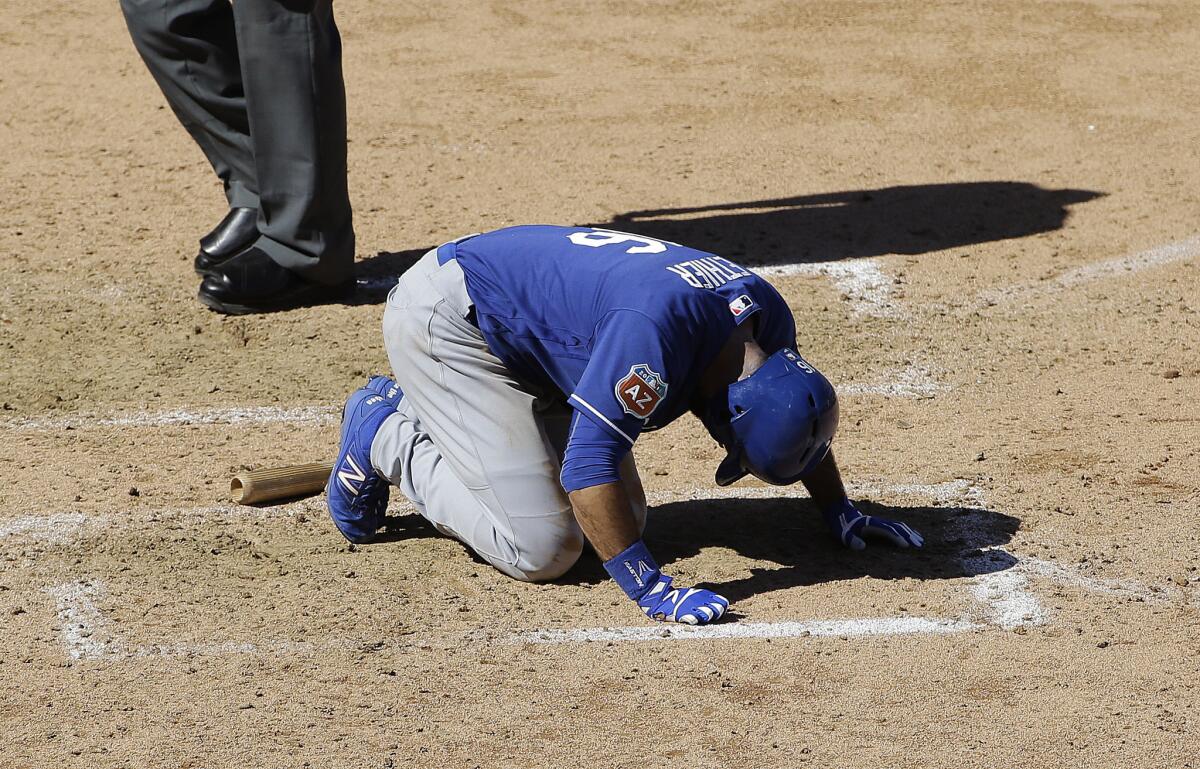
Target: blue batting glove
point(692, 606)
point(635, 570)
point(851, 528)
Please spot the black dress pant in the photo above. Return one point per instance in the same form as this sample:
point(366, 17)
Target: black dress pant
point(258, 85)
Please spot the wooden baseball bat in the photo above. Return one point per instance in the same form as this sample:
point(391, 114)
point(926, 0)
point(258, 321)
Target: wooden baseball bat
point(272, 483)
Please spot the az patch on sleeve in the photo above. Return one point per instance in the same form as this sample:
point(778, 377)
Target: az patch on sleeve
point(640, 392)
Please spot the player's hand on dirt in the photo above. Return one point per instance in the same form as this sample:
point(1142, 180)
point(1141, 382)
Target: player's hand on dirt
point(635, 570)
point(691, 606)
point(853, 528)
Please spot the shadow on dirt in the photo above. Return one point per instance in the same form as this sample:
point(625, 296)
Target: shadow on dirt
point(789, 533)
point(397, 528)
point(915, 219)
point(376, 275)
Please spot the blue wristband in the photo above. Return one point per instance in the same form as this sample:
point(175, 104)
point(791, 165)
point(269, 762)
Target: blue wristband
point(634, 569)
point(844, 506)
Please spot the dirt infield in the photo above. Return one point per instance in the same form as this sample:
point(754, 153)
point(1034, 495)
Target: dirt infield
point(985, 218)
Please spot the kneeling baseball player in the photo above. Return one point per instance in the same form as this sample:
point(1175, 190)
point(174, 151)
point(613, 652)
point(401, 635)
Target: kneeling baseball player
point(528, 360)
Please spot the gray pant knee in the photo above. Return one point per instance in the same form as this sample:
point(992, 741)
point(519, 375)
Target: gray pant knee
point(549, 560)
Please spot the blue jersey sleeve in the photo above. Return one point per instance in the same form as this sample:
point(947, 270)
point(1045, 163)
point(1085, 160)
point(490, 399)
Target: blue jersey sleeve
point(593, 455)
point(633, 367)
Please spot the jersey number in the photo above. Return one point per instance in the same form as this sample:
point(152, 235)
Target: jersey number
point(598, 238)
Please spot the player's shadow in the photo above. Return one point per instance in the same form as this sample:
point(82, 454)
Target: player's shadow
point(788, 533)
point(397, 528)
point(913, 219)
point(375, 276)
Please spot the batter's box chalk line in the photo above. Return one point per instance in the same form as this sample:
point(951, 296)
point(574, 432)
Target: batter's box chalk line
point(300, 415)
point(1159, 256)
point(51, 529)
point(67, 528)
point(84, 630)
point(863, 282)
point(837, 628)
point(87, 634)
point(1000, 587)
point(870, 290)
point(913, 381)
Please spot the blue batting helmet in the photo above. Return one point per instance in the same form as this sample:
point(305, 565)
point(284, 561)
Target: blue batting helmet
point(776, 424)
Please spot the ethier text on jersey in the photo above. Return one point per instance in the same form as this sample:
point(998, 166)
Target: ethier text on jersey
point(709, 272)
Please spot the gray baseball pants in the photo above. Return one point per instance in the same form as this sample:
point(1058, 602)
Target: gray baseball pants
point(477, 452)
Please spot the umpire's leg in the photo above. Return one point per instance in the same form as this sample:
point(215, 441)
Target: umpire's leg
point(190, 49)
point(291, 61)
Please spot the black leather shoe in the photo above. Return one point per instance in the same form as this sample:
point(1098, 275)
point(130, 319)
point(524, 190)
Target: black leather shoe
point(252, 282)
point(236, 232)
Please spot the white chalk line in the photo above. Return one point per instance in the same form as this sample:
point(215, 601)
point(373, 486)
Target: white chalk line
point(1123, 588)
point(1000, 588)
point(65, 528)
point(911, 382)
point(843, 628)
point(866, 286)
point(1158, 256)
point(269, 649)
point(870, 291)
point(83, 628)
point(86, 634)
point(1004, 594)
point(971, 527)
point(68, 528)
point(53, 528)
point(945, 492)
point(301, 415)
point(1006, 600)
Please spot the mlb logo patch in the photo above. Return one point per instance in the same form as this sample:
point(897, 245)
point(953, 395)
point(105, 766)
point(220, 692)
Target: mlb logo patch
point(640, 391)
point(741, 305)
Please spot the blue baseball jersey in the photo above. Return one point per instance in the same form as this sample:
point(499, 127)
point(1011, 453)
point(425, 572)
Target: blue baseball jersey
point(622, 325)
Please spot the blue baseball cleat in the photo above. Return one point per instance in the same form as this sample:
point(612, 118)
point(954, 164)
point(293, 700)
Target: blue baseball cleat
point(357, 495)
point(385, 386)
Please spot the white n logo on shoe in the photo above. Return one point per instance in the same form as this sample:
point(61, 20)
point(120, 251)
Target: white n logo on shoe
point(349, 476)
